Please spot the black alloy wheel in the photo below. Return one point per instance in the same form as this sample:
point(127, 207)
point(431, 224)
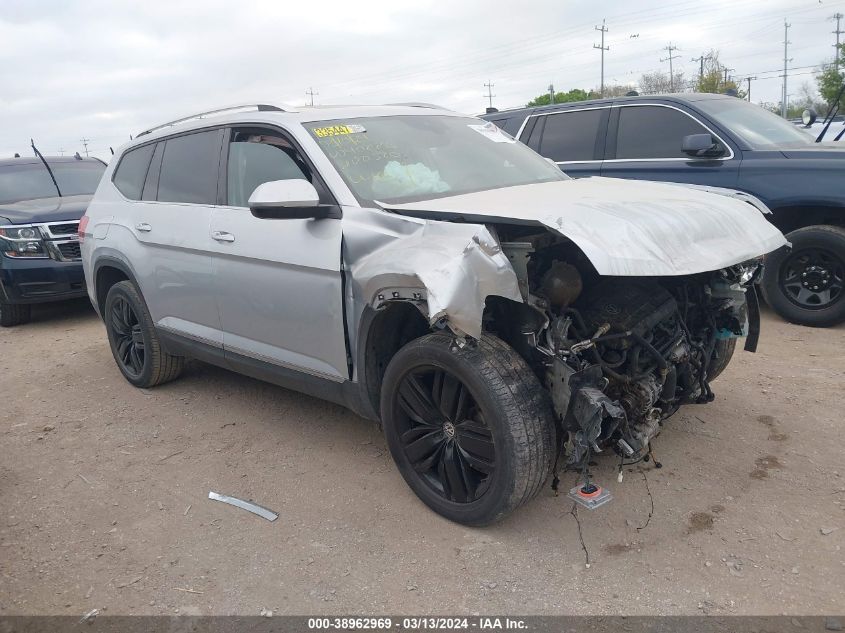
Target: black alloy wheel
point(444, 436)
point(130, 350)
point(813, 278)
point(470, 427)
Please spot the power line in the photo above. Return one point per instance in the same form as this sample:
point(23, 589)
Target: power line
point(602, 48)
point(671, 57)
point(310, 92)
point(489, 85)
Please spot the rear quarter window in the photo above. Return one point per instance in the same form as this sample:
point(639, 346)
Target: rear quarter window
point(132, 171)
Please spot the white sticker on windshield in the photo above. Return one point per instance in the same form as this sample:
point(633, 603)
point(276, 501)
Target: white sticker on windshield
point(492, 132)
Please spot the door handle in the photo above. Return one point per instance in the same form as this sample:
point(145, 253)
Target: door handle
point(222, 236)
point(143, 226)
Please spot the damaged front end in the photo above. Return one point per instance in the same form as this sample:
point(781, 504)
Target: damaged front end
point(620, 355)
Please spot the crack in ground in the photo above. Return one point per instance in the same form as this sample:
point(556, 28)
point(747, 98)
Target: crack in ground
point(574, 513)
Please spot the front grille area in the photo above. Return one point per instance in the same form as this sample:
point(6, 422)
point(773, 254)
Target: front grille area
point(64, 228)
point(70, 250)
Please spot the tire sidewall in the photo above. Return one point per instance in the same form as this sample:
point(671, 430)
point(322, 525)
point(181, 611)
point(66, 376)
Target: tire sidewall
point(829, 238)
point(124, 290)
point(498, 498)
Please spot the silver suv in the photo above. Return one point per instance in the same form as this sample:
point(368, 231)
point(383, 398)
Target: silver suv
point(501, 320)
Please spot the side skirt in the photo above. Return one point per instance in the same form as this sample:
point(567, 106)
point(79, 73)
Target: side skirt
point(344, 393)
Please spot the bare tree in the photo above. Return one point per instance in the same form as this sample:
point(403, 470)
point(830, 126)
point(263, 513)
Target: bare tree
point(659, 82)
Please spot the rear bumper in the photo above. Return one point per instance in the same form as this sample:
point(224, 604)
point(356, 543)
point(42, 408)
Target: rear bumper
point(40, 280)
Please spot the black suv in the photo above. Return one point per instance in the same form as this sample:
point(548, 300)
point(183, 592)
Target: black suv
point(717, 141)
point(41, 202)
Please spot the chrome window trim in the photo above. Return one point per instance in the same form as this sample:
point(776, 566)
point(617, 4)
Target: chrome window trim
point(730, 155)
point(539, 114)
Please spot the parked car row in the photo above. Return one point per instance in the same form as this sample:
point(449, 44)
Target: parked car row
point(716, 141)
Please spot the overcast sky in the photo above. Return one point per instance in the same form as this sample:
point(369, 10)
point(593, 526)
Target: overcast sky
point(104, 69)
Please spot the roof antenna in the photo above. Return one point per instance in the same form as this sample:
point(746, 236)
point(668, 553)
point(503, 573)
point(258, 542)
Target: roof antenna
point(49, 171)
point(111, 149)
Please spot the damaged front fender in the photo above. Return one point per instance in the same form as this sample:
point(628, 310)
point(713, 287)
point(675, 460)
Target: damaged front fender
point(457, 265)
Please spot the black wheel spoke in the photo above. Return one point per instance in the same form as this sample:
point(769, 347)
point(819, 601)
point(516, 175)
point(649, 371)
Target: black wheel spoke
point(420, 444)
point(455, 476)
point(417, 403)
point(450, 396)
point(481, 465)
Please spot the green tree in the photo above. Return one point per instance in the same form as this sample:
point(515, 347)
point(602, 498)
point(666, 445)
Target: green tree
point(714, 78)
point(829, 80)
point(576, 94)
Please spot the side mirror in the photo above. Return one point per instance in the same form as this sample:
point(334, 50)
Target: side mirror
point(289, 200)
point(702, 146)
point(808, 117)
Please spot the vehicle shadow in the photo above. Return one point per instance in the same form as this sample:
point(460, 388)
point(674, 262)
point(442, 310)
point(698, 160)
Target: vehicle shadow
point(60, 311)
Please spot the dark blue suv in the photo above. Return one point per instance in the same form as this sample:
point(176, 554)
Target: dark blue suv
point(719, 141)
point(40, 210)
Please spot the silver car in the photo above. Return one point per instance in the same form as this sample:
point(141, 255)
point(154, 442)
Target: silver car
point(502, 321)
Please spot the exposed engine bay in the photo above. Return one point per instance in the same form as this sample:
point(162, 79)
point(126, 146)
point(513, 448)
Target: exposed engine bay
point(620, 355)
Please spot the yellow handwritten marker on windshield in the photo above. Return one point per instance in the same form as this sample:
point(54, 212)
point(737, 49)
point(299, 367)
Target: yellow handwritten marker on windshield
point(338, 130)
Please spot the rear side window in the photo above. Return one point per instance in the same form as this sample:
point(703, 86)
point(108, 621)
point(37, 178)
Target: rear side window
point(571, 136)
point(256, 160)
point(653, 132)
point(132, 170)
point(189, 168)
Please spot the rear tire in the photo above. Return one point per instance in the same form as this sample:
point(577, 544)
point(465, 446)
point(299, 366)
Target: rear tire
point(12, 314)
point(471, 429)
point(806, 284)
point(134, 341)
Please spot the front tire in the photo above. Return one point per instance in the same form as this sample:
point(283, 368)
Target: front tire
point(133, 339)
point(470, 429)
point(12, 314)
point(806, 284)
point(722, 354)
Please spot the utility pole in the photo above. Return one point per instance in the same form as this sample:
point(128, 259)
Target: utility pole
point(61, 151)
point(489, 85)
point(310, 92)
point(701, 60)
point(84, 141)
point(727, 70)
point(786, 61)
point(837, 16)
point(552, 94)
point(748, 79)
point(671, 57)
point(602, 48)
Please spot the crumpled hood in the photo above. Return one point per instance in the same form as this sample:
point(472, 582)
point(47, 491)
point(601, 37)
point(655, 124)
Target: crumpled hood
point(625, 227)
point(45, 209)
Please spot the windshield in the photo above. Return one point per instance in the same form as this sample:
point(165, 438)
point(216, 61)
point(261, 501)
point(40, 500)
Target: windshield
point(758, 127)
point(407, 158)
point(30, 181)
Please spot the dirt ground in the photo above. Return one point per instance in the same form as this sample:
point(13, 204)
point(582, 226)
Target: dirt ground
point(104, 497)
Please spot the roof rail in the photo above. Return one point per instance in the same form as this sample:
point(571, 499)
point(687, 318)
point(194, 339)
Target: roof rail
point(261, 107)
point(418, 104)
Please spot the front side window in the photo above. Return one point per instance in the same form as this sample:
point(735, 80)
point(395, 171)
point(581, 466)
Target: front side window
point(132, 170)
point(571, 136)
point(189, 168)
point(420, 157)
point(758, 127)
point(256, 158)
point(653, 132)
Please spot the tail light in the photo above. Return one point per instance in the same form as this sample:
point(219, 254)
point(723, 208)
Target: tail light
point(83, 224)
